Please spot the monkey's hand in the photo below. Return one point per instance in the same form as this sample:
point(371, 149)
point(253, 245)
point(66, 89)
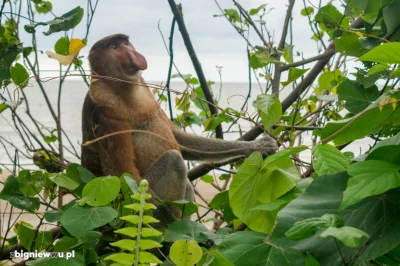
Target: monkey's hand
point(266, 145)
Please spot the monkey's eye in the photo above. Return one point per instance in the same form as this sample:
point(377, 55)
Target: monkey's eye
point(114, 46)
point(125, 43)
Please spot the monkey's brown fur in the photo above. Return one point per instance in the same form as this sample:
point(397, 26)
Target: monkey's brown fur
point(112, 106)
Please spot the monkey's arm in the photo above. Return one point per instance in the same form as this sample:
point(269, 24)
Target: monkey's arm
point(201, 148)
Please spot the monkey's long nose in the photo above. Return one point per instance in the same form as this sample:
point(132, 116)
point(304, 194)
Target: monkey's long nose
point(137, 60)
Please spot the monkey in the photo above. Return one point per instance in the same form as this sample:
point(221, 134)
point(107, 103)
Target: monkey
point(124, 102)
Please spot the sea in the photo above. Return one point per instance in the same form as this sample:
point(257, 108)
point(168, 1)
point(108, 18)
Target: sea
point(73, 92)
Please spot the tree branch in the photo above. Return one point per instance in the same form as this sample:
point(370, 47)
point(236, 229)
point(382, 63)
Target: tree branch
point(253, 133)
point(306, 61)
point(177, 11)
point(278, 68)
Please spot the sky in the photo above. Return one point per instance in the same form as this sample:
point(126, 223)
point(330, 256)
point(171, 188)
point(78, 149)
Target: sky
point(215, 41)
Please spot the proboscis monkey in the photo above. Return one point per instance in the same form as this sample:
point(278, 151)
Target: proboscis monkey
point(158, 156)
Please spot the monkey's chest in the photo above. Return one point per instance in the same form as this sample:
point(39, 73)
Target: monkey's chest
point(152, 143)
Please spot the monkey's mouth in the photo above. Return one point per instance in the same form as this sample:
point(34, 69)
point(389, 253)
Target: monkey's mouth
point(131, 70)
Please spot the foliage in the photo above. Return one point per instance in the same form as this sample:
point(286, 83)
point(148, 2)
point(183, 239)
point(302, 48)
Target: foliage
point(310, 203)
point(137, 247)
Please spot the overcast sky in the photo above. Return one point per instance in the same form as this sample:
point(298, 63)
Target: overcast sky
point(215, 40)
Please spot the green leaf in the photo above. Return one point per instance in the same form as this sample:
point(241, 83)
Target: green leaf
point(271, 206)
point(375, 69)
point(73, 173)
point(214, 258)
point(50, 139)
point(19, 75)
point(30, 184)
point(327, 159)
point(288, 53)
point(185, 229)
point(311, 261)
point(211, 123)
point(91, 238)
point(27, 51)
point(306, 228)
point(387, 53)
point(53, 215)
point(85, 175)
point(251, 248)
point(294, 73)
point(232, 15)
point(370, 178)
point(395, 140)
point(349, 236)
point(261, 59)
point(78, 220)
point(221, 202)
point(130, 182)
point(125, 244)
point(362, 124)
point(146, 258)
point(270, 109)
point(209, 179)
point(44, 7)
point(184, 253)
point(392, 20)
point(373, 215)
point(307, 11)
point(62, 46)
point(187, 207)
point(63, 181)
point(356, 96)
point(27, 235)
point(14, 196)
point(349, 44)
point(127, 231)
point(101, 190)
point(77, 260)
point(258, 182)
point(121, 258)
point(272, 159)
point(328, 80)
point(65, 243)
point(64, 23)
point(330, 16)
point(254, 11)
point(390, 154)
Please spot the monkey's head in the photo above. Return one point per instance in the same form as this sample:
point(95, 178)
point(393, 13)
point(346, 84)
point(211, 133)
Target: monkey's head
point(114, 56)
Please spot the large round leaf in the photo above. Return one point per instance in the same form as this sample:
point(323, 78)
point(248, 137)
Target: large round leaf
point(185, 253)
point(251, 248)
point(101, 190)
point(80, 219)
point(188, 230)
point(257, 183)
point(373, 215)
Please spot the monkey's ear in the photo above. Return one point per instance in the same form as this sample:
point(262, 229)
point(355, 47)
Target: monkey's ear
point(138, 60)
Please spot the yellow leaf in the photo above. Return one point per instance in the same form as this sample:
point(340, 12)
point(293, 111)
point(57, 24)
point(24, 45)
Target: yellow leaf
point(63, 59)
point(359, 34)
point(394, 103)
point(75, 45)
point(311, 107)
point(193, 95)
point(334, 90)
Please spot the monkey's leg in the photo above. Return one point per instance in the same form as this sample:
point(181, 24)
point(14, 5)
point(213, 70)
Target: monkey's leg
point(167, 178)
